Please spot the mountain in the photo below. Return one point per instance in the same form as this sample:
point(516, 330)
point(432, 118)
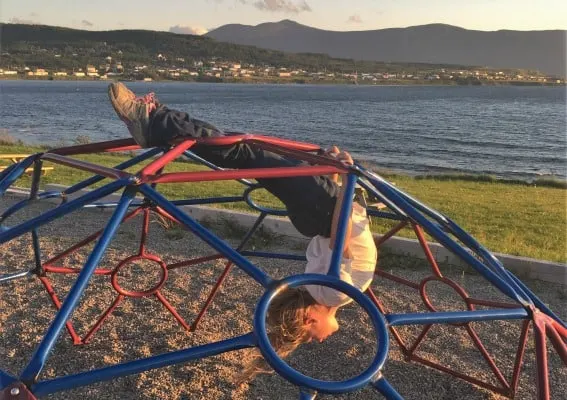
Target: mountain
point(44, 46)
point(436, 43)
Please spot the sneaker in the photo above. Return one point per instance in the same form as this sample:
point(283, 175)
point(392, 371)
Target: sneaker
point(134, 111)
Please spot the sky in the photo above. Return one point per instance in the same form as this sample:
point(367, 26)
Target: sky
point(200, 16)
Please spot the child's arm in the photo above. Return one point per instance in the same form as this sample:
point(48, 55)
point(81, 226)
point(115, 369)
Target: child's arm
point(347, 159)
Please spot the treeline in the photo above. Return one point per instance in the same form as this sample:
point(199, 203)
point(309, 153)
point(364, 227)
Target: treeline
point(39, 46)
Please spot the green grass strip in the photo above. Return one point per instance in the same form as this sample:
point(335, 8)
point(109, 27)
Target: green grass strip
point(508, 217)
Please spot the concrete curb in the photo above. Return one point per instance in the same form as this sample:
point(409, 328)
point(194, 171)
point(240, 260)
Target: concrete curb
point(522, 266)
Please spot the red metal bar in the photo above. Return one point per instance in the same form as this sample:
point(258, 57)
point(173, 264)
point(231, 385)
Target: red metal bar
point(102, 318)
point(194, 261)
point(212, 295)
point(391, 233)
point(283, 172)
point(108, 146)
point(57, 303)
point(397, 279)
point(172, 310)
point(23, 393)
point(557, 342)
point(393, 329)
point(460, 375)
point(558, 327)
point(288, 144)
point(165, 159)
point(519, 358)
point(242, 137)
point(65, 270)
point(542, 382)
point(88, 239)
point(145, 229)
point(86, 166)
point(487, 357)
point(421, 237)
point(480, 302)
point(419, 339)
point(299, 155)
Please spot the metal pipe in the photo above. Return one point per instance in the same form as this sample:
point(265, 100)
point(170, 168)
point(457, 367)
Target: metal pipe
point(41, 352)
point(207, 236)
point(145, 364)
point(455, 317)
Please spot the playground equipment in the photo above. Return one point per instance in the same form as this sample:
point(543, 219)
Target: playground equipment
point(523, 304)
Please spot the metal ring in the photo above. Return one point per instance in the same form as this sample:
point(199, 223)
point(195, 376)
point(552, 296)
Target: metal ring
point(252, 204)
point(298, 378)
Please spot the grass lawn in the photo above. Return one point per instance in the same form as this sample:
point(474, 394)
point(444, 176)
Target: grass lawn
point(512, 218)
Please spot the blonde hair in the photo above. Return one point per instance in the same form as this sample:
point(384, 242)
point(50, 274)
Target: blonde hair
point(287, 329)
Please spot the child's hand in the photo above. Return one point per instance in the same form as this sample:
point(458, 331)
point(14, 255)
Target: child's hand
point(333, 152)
point(345, 157)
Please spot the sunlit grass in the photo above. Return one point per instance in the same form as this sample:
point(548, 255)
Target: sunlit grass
point(513, 218)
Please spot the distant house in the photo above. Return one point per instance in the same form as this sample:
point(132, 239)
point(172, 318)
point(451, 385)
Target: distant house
point(79, 74)
point(284, 74)
point(60, 73)
point(11, 73)
point(92, 71)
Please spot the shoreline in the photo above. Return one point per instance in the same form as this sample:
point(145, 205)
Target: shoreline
point(300, 81)
point(551, 181)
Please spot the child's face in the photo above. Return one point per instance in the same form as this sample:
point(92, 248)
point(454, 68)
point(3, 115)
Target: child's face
point(321, 322)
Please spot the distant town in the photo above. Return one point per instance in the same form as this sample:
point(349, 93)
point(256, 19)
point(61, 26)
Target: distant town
point(218, 70)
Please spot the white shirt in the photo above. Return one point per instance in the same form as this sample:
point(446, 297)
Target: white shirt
point(357, 271)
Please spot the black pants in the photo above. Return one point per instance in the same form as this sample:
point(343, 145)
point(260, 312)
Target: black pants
point(309, 200)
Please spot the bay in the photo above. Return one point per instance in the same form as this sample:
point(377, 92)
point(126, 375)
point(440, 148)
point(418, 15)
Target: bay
point(506, 131)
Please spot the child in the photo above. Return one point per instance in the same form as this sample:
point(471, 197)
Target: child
point(313, 203)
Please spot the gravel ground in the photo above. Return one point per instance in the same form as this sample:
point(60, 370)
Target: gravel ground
point(142, 327)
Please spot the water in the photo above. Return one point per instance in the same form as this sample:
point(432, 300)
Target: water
point(510, 132)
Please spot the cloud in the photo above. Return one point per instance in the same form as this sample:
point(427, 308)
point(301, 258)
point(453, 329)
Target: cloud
point(354, 19)
point(86, 23)
point(34, 14)
point(286, 6)
point(16, 20)
point(188, 30)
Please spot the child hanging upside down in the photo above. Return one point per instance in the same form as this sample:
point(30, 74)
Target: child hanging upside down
point(313, 203)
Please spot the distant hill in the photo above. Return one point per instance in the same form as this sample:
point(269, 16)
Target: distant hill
point(436, 43)
point(57, 47)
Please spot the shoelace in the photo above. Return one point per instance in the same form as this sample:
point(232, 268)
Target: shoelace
point(149, 99)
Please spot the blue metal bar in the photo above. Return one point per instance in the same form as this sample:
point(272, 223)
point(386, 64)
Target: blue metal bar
point(15, 275)
point(6, 171)
point(41, 353)
point(195, 157)
point(304, 395)
point(213, 241)
point(297, 378)
point(63, 209)
point(385, 215)
point(456, 316)
point(344, 220)
point(16, 171)
point(449, 243)
point(5, 379)
point(387, 390)
point(490, 259)
point(126, 164)
point(22, 203)
point(33, 195)
point(369, 188)
point(112, 204)
point(280, 256)
point(267, 210)
point(211, 200)
point(537, 302)
point(492, 262)
point(145, 364)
